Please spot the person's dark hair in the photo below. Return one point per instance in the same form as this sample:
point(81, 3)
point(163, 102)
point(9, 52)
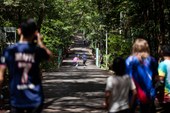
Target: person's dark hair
point(165, 50)
point(119, 66)
point(28, 28)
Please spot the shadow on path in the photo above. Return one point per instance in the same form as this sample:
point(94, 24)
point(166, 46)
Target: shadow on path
point(75, 90)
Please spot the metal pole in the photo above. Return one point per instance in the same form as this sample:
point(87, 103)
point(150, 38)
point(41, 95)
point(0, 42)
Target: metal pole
point(97, 57)
point(106, 49)
point(15, 35)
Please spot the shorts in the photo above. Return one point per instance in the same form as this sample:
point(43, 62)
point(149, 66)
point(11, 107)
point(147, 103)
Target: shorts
point(27, 110)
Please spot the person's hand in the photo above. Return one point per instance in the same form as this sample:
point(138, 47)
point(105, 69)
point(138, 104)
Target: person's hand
point(40, 43)
point(105, 106)
point(39, 38)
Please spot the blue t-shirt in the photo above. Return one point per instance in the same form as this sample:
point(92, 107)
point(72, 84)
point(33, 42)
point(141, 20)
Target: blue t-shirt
point(22, 60)
point(84, 57)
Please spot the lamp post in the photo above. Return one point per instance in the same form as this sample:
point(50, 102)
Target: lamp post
point(106, 49)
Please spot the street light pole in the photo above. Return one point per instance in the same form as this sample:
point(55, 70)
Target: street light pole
point(106, 49)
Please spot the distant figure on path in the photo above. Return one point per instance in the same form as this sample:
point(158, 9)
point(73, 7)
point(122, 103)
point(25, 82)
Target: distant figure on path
point(76, 60)
point(118, 87)
point(23, 60)
point(84, 58)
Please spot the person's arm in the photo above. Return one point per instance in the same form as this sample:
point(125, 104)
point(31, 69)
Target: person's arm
point(134, 94)
point(108, 93)
point(161, 78)
point(129, 65)
point(41, 44)
point(133, 98)
point(107, 97)
point(2, 72)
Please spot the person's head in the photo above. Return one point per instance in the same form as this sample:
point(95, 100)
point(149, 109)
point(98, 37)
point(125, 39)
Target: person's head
point(165, 50)
point(119, 66)
point(28, 28)
point(141, 47)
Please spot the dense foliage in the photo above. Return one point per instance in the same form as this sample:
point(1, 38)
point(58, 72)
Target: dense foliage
point(123, 20)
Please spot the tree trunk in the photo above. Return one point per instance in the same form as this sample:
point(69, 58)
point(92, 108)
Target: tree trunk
point(41, 15)
point(161, 18)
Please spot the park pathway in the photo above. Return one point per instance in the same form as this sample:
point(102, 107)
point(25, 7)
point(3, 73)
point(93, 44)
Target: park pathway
point(75, 90)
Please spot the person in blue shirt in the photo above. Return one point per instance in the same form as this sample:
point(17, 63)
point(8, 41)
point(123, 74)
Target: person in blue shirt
point(142, 67)
point(23, 60)
point(84, 58)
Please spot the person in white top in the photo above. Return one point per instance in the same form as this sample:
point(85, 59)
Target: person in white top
point(118, 87)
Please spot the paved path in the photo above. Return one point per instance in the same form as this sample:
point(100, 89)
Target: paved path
point(75, 90)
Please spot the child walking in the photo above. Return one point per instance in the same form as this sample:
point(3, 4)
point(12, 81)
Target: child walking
point(118, 88)
point(84, 58)
point(75, 60)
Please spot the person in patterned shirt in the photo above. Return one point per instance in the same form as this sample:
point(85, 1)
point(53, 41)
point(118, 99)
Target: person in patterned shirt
point(164, 77)
point(142, 68)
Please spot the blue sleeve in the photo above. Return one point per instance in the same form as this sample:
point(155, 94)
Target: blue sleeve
point(5, 56)
point(129, 66)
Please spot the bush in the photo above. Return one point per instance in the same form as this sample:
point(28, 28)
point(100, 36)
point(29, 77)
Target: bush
point(117, 46)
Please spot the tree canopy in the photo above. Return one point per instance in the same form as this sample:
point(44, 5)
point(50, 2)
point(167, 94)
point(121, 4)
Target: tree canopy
point(123, 20)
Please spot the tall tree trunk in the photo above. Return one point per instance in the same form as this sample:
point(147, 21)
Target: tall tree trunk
point(161, 17)
point(19, 15)
point(41, 15)
point(40, 19)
